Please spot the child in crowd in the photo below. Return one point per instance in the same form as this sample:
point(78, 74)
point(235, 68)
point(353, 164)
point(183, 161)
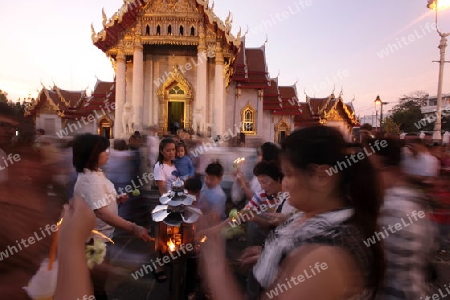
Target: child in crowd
point(212, 197)
point(183, 163)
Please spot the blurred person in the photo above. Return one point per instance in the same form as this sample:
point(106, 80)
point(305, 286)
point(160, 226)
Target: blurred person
point(40, 135)
point(90, 152)
point(212, 197)
point(183, 163)
point(410, 247)
point(134, 146)
point(419, 163)
point(266, 152)
point(27, 214)
point(165, 171)
point(441, 211)
point(365, 132)
point(338, 212)
point(8, 126)
point(276, 211)
point(67, 173)
point(152, 142)
point(74, 280)
point(120, 167)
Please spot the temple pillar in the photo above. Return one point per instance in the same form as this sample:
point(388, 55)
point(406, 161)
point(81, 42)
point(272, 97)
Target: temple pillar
point(120, 93)
point(152, 101)
point(202, 82)
point(259, 113)
point(138, 85)
point(218, 106)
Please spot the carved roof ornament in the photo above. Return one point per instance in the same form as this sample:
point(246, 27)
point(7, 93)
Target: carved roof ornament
point(175, 76)
point(93, 34)
point(228, 23)
point(168, 6)
point(105, 19)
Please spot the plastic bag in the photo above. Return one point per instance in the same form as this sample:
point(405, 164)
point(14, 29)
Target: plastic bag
point(237, 194)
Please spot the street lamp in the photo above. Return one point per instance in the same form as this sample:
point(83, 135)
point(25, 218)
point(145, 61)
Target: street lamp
point(437, 5)
point(380, 103)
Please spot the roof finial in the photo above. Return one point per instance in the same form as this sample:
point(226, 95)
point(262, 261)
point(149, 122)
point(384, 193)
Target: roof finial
point(246, 31)
point(267, 39)
point(239, 33)
point(212, 6)
point(279, 71)
point(296, 81)
point(353, 99)
point(92, 31)
point(342, 91)
point(105, 19)
point(334, 88)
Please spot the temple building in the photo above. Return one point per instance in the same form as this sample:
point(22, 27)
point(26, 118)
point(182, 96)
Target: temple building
point(178, 65)
point(66, 113)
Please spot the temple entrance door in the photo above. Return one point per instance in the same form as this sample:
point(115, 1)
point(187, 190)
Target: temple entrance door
point(105, 128)
point(176, 115)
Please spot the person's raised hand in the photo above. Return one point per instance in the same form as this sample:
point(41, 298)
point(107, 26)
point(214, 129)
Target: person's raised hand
point(78, 220)
point(250, 256)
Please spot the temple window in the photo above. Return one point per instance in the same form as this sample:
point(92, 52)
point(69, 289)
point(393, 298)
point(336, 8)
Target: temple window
point(192, 31)
point(147, 30)
point(169, 30)
point(158, 30)
point(248, 120)
point(176, 90)
point(181, 30)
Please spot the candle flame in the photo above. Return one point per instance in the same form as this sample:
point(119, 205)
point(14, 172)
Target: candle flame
point(102, 235)
point(204, 238)
point(93, 231)
point(171, 245)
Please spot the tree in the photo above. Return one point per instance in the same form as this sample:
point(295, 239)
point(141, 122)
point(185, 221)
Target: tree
point(390, 127)
point(3, 96)
point(407, 113)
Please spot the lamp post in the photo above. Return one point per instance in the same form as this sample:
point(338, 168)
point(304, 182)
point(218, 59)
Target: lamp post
point(436, 5)
point(380, 103)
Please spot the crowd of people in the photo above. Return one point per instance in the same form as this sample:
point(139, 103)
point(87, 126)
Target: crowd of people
point(368, 231)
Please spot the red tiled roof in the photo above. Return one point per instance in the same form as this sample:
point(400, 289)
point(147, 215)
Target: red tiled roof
point(104, 93)
point(256, 69)
point(75, 104)
point(240, 67)
point(317, 104)
point(290, 103)
point(272, 97)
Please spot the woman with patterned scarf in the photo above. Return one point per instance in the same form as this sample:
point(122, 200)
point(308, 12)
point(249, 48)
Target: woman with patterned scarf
point(320, 252)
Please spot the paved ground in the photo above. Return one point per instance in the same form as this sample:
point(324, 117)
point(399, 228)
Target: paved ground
point(129, 254)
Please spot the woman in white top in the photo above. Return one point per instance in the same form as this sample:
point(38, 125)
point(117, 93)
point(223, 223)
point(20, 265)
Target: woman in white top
point(90, 152)
point(165, 171)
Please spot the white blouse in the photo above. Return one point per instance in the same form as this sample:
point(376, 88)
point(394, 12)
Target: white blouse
point(98, 192)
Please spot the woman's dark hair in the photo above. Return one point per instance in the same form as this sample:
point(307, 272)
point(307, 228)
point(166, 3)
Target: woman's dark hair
point(162, 144)
point(270, 151)
point(322, 145)
point(269, 168)
point(86, 150)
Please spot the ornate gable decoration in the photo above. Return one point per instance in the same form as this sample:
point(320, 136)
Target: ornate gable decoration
point(168, 6)
point(175, 76)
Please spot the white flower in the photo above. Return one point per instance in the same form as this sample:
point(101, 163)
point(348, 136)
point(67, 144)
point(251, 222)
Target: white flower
point(95, 253)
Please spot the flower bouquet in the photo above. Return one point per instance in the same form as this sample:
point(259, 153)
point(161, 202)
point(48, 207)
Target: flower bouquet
point(42, 285)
